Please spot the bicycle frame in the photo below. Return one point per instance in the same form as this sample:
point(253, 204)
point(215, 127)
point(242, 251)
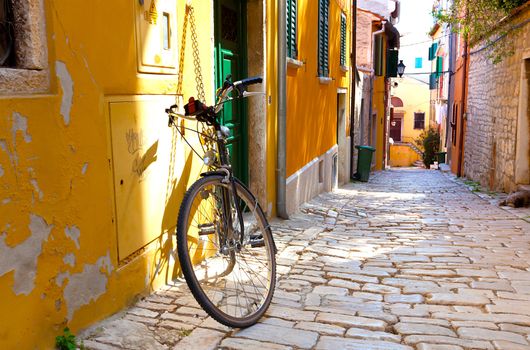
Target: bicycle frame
point(211, 118)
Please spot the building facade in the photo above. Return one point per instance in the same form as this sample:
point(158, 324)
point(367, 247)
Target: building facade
point(318, 98)
point(91, 177)
point(497, 117)
point(376, 55)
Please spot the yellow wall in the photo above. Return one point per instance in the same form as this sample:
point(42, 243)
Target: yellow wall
point(379, 108)
point(311, 105)
point(402, 156)
point(415, 97)
point(57, 212)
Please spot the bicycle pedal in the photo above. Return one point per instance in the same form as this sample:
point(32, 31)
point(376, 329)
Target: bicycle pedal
point(257, 241)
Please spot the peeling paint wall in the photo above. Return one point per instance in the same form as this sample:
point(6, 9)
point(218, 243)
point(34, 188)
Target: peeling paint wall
point(58, 242)
point(22, 259)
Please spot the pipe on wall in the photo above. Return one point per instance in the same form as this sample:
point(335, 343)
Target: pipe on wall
point(353, 78)
point(281, 162)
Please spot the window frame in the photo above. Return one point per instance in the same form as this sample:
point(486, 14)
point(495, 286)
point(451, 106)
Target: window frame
point(30, 73)
point(7, 26)
point(416, 120)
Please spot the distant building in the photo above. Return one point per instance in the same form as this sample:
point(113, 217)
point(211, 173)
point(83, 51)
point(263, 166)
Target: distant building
point(377, 45)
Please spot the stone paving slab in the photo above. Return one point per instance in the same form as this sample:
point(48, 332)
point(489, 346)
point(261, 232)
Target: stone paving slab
point(410, 260)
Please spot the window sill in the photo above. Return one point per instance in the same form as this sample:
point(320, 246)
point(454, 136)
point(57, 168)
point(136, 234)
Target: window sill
point(15, 81)
point(324, 80)
point(344, 69)
point(293, 63)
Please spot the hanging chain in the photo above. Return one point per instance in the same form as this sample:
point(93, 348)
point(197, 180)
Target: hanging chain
point(190, 17)
point(205, 141)
point(196, 57)
point(182, 52)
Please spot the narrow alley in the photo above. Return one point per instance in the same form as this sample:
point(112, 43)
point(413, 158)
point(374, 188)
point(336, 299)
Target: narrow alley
point(411, 260)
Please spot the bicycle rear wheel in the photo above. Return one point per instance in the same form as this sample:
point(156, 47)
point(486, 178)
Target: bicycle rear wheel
point(234, 283)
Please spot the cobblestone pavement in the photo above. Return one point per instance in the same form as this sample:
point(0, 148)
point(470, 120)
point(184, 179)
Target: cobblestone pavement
point(410, 260)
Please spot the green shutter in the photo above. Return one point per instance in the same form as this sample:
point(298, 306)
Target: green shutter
point(432, 81)
point(343, 39)
point(439, 66)
point(291, 29)
point(323, 41)
point(378, 57)
point(432, 51)
point(391, 63)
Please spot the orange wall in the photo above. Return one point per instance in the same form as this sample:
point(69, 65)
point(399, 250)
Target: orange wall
point(457, 147)
point(312, 106)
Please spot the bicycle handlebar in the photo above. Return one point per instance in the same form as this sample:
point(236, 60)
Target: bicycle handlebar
point(197, 110)
point(249, 81)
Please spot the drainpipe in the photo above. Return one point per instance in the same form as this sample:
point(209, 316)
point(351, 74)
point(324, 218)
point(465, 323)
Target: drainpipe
point(281, 205)
point(353, 92)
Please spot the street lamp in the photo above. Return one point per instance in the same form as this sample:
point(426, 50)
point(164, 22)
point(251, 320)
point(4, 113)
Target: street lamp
point(401, 68)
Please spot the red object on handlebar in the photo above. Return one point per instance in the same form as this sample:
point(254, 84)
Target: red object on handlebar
point(194, 107)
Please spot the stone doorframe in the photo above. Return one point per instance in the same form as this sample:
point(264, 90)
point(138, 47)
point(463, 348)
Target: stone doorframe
point(257, 105)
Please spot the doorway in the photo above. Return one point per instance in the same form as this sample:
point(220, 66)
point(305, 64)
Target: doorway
point(231, 59)
point(395, 127)
point(342, 173)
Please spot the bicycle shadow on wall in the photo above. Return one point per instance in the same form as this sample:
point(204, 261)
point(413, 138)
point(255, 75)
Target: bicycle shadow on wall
point(177, 183)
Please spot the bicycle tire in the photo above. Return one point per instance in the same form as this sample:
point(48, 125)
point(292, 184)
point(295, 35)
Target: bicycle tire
point(246, 275)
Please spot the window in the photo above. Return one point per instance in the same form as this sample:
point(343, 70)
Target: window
point(323, 42)
point(439, 66)
point(419, 62)
point(454, 120)
point(432, 51)
point(292, 52)
point(433, 82)
point(392, 56)
point(7, 58)
point(165, 31)
point(24, 66)
point(419, 120)
point(343, 39)
point(378, 56)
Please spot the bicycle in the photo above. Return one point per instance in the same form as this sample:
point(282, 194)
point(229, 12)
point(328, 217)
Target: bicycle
point(224, 242)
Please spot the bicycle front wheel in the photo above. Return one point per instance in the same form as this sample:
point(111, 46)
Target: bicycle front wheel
point(233, 280)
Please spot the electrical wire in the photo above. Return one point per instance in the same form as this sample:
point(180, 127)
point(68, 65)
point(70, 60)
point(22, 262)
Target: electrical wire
point(426, 41)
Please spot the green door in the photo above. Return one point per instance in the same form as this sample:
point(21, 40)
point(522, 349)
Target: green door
point(230, 58)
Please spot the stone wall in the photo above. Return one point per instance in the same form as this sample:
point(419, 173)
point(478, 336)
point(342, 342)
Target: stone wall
point(493, 104)
point(364, 38)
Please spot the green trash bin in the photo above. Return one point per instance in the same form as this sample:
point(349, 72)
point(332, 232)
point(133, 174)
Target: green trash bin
point(364, 162)
point(441, 157)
